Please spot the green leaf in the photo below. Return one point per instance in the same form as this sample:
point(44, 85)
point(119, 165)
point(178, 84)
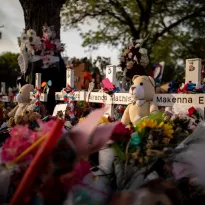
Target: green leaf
point(119, 151)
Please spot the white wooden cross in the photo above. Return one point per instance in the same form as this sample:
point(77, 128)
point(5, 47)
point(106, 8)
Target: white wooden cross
point(5, 97)
point(179, 102)
point(182, 102)
point(43, 96)
point(96, 97)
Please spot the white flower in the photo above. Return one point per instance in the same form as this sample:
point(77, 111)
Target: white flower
point(143, 51)
point(130, 55)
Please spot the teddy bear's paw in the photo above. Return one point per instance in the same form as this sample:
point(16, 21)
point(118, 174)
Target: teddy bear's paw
point(19, 120)
point(34, 116)
point(11, 122)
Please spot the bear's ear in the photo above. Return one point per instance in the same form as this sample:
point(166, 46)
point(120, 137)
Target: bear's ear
point(135, 77)
point(151, 80)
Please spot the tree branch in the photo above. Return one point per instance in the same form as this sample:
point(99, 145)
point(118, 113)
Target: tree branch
point(173, 25)
point(103, 12)
point(130, 23)
point(140, 6)
point(148, 13)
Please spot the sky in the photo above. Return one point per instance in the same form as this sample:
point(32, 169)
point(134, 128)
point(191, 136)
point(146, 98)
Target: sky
point(11, 16)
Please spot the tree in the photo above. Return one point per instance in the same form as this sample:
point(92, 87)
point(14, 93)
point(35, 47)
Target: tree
point(121, 19)
point(9, 69)
point(172, 25)
point(39, 12)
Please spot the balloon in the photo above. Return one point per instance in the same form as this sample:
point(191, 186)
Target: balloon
point(49, 83)
point(43, 84)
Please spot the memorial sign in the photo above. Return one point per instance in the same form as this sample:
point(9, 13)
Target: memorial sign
point(171, 99)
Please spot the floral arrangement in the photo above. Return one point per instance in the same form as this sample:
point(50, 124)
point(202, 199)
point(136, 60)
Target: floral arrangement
point(151, 137)
point(134, 59)
point(65, 157)
point(190, 88)
point(34, 48)
point(154, 135)
point(21, 137)
point(183, 123)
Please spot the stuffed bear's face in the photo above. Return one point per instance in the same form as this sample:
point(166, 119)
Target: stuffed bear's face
point(143, 88)
point(24, 94)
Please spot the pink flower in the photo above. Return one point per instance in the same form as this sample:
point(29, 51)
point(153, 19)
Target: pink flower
point(21, 137)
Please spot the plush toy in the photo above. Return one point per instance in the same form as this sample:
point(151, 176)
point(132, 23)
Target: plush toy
point(142, 92)
point(24, 104)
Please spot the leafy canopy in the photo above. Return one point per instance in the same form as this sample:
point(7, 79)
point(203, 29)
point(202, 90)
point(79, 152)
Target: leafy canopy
point(10, 60)
point(9, 69)
point(175, 27)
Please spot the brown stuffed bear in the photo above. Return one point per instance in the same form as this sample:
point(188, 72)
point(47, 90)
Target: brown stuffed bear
point(142, 92)
point(18, 114)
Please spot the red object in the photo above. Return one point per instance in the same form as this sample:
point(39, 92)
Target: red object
point(107, 84)
point(49, 45)
point(184, 89)
point(65, 99)
point(191, 111)
point(37, 164)
point(120, 132)
point(80, 170)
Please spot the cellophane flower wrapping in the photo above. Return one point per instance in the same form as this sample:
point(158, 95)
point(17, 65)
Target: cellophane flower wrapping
point(190, 153)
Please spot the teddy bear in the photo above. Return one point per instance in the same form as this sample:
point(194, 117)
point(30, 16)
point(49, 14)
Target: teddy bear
point(24, 104)
point(142, 92)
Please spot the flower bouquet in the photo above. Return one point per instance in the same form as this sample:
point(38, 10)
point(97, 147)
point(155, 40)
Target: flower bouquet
point(151, 137)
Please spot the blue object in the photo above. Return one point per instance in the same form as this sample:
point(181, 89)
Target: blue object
point(135, 139)
point(173, 87)
point(49, 83)
point(36, 201)
point(117, 90)
point(191, 86)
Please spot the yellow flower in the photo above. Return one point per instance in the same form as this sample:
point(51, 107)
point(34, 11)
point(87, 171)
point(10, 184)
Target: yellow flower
point(161, 124)
point(147, 123)
point(168, 130)
point(81, 119)
point(103, 120)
